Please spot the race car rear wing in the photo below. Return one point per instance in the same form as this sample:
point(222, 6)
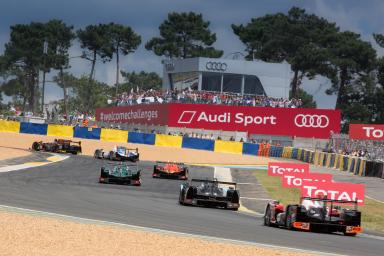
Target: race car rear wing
point(164, 162)
point(213, 181)
point(329, 200)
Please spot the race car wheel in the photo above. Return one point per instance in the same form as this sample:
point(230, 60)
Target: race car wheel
point(267, 217)
point(181, 199)
point(289, 218)
point(36, 146)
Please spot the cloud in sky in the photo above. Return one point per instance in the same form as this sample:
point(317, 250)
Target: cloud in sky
point(145, 16)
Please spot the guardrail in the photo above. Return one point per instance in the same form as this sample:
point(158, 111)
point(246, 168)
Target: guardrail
point(355, 165)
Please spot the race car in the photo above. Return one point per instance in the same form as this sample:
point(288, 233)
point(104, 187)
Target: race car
point(58, 146)
point(118, 153)
point(211, 193)
point(119, 173)
point(315, 214)
point(170, 170)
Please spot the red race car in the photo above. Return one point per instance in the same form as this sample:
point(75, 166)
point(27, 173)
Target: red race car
point(316, 214)
point(170, 170)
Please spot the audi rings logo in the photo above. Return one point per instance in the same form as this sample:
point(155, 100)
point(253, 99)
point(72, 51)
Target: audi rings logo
point(216, 66)
point(311, 121)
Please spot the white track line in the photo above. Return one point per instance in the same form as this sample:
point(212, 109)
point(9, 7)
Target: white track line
point(161, 231)
point(31, 164)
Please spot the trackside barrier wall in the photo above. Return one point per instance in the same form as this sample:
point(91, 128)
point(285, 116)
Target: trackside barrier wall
point(60, 130)
point(168, 140)
point(355, 165)
point(32, 128)
point(87, 133)
point(250, 149)
point(196, 143)
point(9, 126)
point(228, 147)
point(113, 135)
point(141, 138)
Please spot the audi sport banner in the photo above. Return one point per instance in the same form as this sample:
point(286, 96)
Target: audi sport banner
point(366, 132)
point(283, 168)
point(296, 180)
point(300, 122)
point(334, 190)
point(136, 114)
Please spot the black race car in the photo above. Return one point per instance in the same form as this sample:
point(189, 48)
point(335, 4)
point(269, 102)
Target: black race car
point(315, 214)
point(58, 146)
point(119, 153)
point(120, 173)
point(170, 170)
point(211, 193)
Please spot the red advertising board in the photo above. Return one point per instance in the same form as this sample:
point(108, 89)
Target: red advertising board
point(296, 180)
point(334, 190)
point(366, 131)
point(300, 122)
point(139, 114)
point(283, 168)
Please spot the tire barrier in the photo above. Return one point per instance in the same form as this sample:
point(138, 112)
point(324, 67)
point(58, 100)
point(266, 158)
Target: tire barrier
point(355, 165)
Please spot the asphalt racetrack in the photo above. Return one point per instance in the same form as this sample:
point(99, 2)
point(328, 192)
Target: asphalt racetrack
point(71, 187)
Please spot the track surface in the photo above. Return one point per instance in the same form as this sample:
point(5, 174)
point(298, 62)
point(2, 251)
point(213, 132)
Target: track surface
point(71, 187)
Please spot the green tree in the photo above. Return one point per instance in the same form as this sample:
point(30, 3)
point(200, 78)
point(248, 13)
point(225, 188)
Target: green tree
point(95, 41)
point(184, 35)
point(142, 80)
point(299, 38)
point(352, 59)
point(306, 99)
point(89, 95)
point(123, 40)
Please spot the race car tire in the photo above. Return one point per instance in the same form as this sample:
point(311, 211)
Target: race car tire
point(36, 146)
point(289, 218)
point(267, 217)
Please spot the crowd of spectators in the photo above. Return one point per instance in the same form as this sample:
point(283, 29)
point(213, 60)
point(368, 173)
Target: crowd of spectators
point(203, 97)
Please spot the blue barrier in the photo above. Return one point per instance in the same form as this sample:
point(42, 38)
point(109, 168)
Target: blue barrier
point(196, 143)
point(32, 128)
point(87, 133)
point(345, 163)
point(141, 138)
point(250, 149)
point(294, 153)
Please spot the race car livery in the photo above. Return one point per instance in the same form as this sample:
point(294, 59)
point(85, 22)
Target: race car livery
point(315, 214)
point(58, 146)
point(124, 174)
point(211, 193)
point(170, 170)
point(119, 153)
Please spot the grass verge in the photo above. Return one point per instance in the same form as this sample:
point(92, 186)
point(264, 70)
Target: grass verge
point(372, 211)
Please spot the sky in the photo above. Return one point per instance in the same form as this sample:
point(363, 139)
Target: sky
point(145, 16)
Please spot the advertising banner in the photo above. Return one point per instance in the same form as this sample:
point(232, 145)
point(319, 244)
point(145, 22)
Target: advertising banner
point(283, 168)
point(366, 132)
point(334, 190)
point(300, 122)
point(296, 180)
point(138, 114)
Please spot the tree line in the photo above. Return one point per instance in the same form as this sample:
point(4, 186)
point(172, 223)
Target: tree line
point(312, 45)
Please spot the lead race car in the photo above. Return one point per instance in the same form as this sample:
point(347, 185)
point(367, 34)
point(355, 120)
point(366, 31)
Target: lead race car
point(120, 173)
point(212, 193)
point(170, 170)
point(119, 153)
point(58, 146)
point(315, 214)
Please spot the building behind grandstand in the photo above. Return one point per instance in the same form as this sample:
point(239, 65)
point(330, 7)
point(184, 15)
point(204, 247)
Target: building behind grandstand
point(228, 76)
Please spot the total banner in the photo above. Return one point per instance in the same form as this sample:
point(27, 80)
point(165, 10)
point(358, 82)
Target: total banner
point(137, 114)
point(284, 168)
point(366, 132)
point(300, 122)
point(296, 180)
point(334, 190)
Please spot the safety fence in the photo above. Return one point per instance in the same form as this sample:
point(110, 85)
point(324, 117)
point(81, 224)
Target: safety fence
point(355, 165)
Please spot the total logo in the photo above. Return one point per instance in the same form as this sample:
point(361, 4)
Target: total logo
point(372, 132)
point(188, 117)
point(311, 121)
